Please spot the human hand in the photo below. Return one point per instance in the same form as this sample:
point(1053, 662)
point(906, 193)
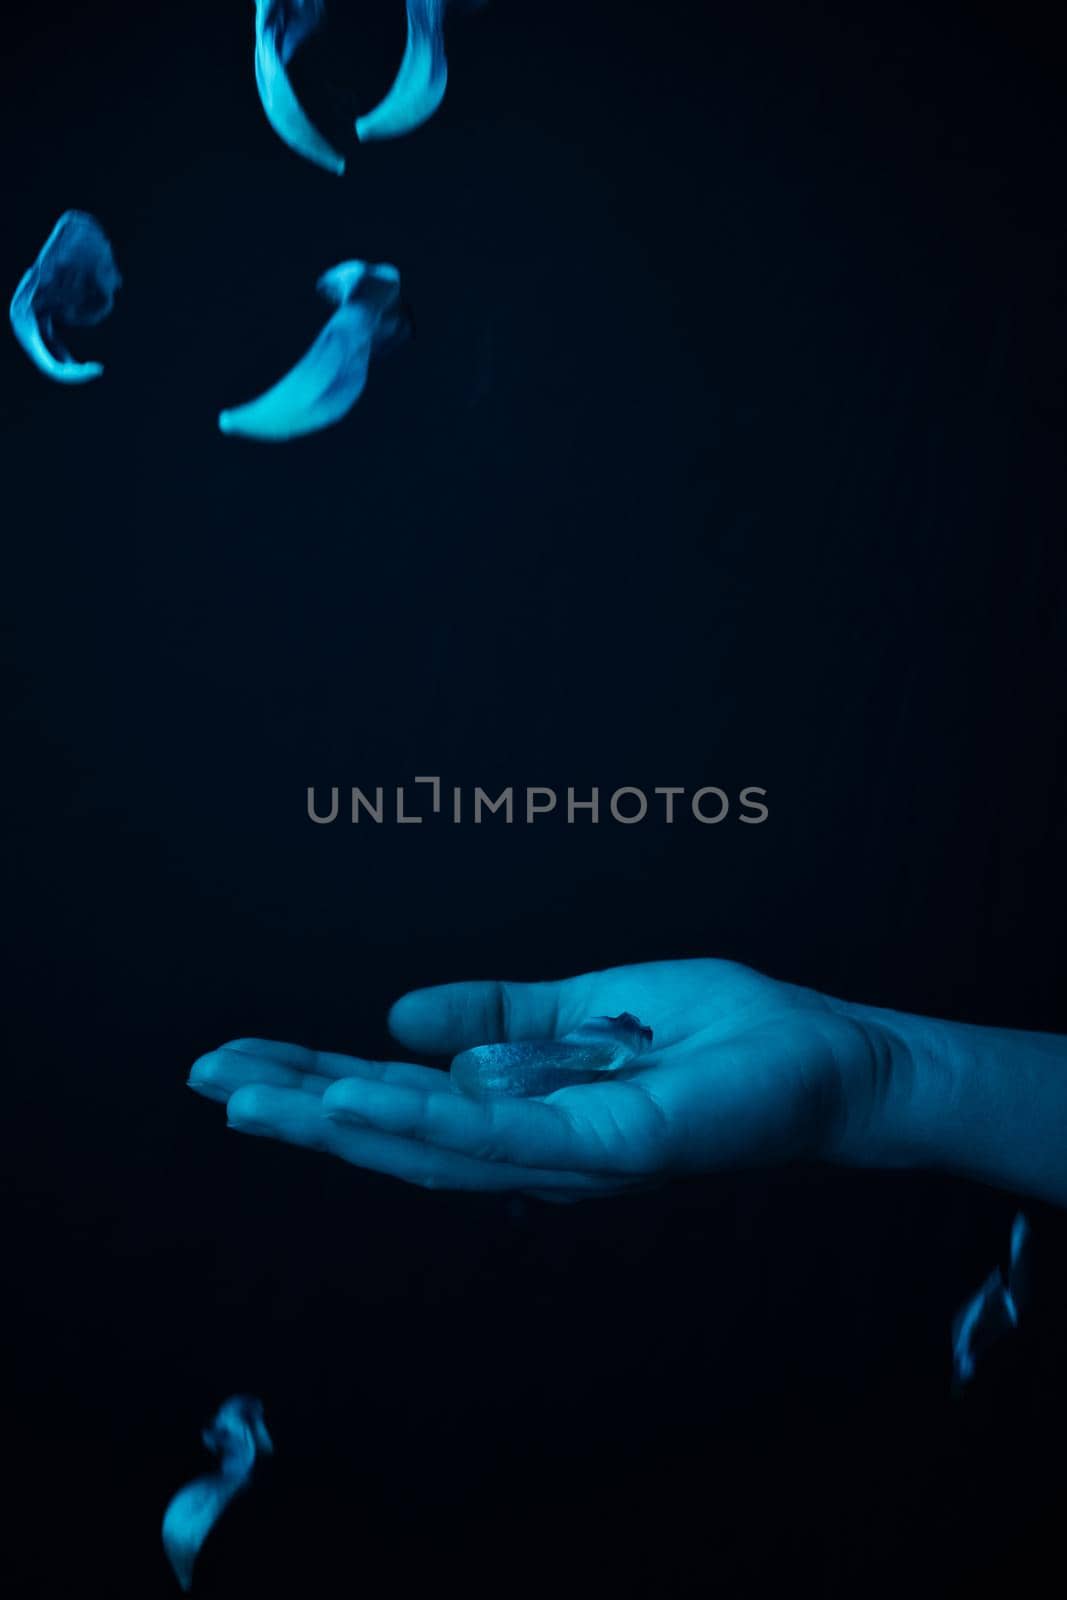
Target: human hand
point(742, 1070)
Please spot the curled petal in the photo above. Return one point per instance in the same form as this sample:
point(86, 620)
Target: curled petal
point(237, 1436)
point(328, 380)
point(419, 86)
point(72, 282)
point(994, 1311)
point(531, 1068)
point(281, 26)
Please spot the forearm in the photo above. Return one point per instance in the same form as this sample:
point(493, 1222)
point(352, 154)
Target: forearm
point(987, 1102)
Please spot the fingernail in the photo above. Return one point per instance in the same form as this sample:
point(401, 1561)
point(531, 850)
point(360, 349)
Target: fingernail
point(206, 1089)
point(343, 1114)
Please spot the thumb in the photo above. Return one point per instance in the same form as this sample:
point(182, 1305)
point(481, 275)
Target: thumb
point(454, 1016)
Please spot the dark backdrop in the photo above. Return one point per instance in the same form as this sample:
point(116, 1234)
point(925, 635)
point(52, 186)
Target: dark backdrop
point(727, 451)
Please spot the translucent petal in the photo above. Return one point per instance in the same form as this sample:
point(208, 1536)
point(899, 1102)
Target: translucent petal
point(419, 86)
point(72, 282)
point(237, 1436)
point(327, 381)
point(281, 26)
point(601, 1045)
point(993, 1312)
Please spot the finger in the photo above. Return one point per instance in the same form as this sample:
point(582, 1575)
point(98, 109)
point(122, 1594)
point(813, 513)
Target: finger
point(221, 1072)
point(296, 1118)
point(607, 1129)
point(454, 1016)
point(324, 1063)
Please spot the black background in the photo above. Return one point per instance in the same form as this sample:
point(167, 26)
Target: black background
point(728, 451)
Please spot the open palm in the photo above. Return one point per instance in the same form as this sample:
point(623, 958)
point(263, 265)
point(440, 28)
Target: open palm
point(742, 1069)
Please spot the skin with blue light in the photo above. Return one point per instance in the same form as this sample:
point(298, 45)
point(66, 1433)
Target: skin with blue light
point(743, 1070)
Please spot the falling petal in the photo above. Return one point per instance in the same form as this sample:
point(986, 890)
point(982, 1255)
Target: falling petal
point(328, 380)
point(600, 1046)
point(237, 1436)
point(1019, 1260)
point(73, 282)
point(419, 86)
point(993, 1311)
point(281, 26)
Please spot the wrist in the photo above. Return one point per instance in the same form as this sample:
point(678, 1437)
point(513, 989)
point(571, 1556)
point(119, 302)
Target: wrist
point(988, 1103)
point(913, 1081)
